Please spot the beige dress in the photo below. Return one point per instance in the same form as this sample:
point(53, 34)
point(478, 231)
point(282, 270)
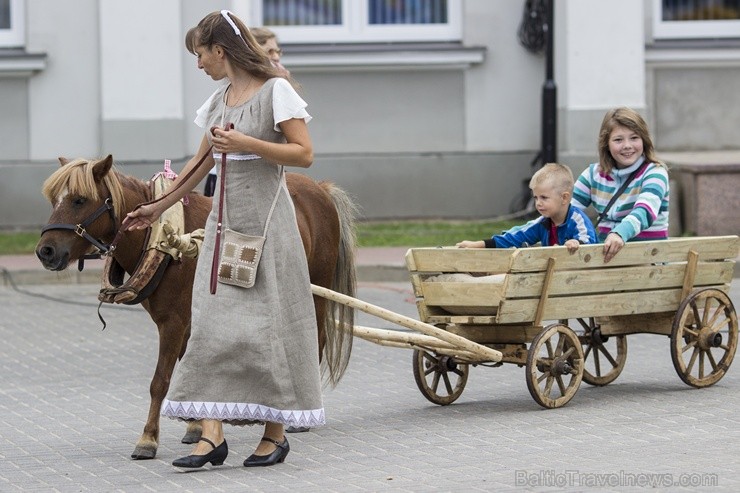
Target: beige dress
point(253, 353)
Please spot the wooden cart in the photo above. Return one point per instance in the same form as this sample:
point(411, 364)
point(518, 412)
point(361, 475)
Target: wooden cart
point(677, 288)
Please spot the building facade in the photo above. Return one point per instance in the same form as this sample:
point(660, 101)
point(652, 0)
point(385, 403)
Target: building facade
point(431, 113)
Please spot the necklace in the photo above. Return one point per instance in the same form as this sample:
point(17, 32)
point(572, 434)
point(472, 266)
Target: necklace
point(244, 91)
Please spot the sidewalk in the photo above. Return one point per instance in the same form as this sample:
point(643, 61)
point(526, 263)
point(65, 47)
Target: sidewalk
point(373, 265)
point(376, 264)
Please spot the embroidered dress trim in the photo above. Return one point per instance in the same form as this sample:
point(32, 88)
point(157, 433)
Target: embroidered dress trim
point(240, 412)
point(236, 156)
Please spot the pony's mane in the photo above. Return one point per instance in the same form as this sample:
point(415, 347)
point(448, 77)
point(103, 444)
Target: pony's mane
point(76, 177)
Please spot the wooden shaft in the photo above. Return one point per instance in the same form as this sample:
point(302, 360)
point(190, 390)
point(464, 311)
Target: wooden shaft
point(487, 354)
point(406, 340)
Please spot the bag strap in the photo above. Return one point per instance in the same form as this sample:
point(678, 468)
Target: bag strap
point(219, 224)
point(274, 200)
point(619, 192)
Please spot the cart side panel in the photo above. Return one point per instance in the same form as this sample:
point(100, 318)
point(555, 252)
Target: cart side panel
point(564, 307)
point(635, 253)
point(450, 260)
point(606, 280)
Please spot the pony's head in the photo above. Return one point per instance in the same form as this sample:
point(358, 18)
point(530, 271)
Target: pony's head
point(86, 198)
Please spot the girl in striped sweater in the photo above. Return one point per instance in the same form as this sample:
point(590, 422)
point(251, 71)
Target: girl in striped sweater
point(641, 211)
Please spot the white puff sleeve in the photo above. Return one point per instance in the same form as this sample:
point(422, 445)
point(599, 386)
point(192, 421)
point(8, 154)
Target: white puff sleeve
point(287, 104)
point(201, 115)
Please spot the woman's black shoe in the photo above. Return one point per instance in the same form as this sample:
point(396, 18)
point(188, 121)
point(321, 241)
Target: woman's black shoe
point(216, 457)
point(277, 455)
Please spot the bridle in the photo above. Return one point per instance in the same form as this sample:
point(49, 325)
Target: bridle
point(81, 231)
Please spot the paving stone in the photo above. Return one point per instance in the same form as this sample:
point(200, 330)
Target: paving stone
point(74, 398)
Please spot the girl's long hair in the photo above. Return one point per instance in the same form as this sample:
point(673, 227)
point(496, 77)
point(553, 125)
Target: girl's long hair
point(628, 118)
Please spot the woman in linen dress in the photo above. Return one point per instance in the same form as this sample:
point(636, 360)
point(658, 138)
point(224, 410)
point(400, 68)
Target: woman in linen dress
point(252, 356)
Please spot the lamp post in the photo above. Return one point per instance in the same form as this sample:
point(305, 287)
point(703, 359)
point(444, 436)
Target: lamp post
point(535, 34)
point(549, 94)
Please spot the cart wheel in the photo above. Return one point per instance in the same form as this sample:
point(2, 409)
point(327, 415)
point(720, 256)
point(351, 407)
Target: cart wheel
point(704, 331)
point(604, 356)
point(431, 369)
point(554, 366)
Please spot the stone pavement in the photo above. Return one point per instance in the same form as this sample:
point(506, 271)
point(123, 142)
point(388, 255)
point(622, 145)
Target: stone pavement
point(74, 398)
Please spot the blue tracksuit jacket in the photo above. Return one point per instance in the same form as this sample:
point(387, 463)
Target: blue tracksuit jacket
point(578, 226)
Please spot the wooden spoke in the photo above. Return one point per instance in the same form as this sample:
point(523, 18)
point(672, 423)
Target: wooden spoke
point(554, 366)
point(712, 322)
point(688, 346)
point(612, 350)
point(607, 355)
point(705, 330)
point(711, 360)
point(431, 370)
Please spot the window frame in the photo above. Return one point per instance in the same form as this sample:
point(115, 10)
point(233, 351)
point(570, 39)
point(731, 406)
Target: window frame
point(355, 27)
point(691, 29)
point(15, 37)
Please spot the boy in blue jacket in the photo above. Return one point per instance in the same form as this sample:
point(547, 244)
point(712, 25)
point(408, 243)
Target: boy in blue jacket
point(559, 222)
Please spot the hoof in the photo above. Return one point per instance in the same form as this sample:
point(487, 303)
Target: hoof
point(297, 429)
point(144, 452)
point(191, 437)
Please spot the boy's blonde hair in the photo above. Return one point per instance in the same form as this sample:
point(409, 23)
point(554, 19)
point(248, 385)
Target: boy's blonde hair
point(559, 175)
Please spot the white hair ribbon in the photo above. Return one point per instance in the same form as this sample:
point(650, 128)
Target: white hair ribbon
point(226, 15)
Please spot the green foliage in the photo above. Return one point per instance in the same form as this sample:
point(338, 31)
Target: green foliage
point(369, 234)
point(13, 243)
point(427, 233)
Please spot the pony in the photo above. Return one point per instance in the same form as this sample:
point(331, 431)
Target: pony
point(91, 197)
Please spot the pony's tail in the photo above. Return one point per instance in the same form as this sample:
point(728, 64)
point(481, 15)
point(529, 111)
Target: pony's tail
point(338, 345)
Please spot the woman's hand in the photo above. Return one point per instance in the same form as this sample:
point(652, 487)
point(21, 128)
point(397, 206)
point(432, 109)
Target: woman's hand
point(612, 245)
point(142, 218)
point(229, 141)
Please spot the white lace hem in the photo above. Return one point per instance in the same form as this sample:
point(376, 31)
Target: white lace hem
point(236, 156)
point(230, 411)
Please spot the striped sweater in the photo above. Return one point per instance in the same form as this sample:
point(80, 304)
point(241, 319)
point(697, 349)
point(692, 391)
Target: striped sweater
point(640, 213)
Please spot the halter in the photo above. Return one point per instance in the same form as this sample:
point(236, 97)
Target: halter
point(81, 230)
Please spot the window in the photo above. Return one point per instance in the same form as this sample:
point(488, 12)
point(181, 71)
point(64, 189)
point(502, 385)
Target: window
point(352, 21)
point(692, 19)
point(11, 23)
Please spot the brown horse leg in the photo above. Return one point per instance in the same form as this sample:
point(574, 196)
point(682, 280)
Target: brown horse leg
point(170, 342)
point(193, 432)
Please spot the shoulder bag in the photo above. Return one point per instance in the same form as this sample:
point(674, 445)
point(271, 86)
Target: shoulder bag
point(236, 256)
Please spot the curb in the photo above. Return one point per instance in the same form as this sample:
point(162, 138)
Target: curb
point(92, 275)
